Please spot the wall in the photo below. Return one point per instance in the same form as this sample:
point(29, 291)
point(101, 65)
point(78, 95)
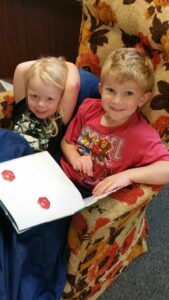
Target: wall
point(32, 28)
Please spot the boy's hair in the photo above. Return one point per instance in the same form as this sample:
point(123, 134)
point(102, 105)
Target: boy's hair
point(129, 64)
point(53, 72)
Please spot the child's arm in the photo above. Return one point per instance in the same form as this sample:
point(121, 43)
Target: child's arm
point(80, 163)
point(70, 95)
point(156, 173)
point(19, 80)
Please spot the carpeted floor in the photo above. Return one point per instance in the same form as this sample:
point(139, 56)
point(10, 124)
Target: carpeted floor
point(147, 278)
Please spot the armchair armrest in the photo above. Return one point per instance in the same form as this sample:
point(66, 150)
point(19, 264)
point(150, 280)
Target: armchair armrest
point(104, 238)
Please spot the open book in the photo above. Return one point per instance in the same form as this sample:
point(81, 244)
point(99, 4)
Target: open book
point(35, 190)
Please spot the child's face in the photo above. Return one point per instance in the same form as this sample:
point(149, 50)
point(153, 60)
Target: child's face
point(43, 100)
point(120, 100)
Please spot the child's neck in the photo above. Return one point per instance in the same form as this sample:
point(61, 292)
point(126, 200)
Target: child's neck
point(109, 122)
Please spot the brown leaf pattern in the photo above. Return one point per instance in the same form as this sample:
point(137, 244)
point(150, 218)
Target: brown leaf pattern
point(128, 2)
point(158, 29)
point(98, 38)
point(161, 101)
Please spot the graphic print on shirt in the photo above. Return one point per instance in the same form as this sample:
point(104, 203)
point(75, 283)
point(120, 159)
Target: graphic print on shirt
point(33, 130)
point(104, 150)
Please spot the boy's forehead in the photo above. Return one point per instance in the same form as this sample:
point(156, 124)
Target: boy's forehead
point(126, 82)
point(115, 79)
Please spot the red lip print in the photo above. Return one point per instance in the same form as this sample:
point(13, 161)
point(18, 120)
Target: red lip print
point(44, 202)
point(8, 175)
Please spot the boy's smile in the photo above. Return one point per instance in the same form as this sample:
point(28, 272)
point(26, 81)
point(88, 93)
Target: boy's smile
point(120, 100)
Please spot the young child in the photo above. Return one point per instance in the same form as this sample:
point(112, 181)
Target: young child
point(38, 117)
point(51, 86)
point(109, 144)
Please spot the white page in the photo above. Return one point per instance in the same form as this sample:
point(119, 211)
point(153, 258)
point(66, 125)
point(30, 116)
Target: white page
point(92, 199)
point(38, 175)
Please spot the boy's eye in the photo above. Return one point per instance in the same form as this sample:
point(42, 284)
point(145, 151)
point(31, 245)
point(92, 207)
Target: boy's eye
point(50, 99)
point(110, 90)
point(129, 93)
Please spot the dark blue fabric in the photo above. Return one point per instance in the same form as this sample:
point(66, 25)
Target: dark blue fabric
point(88, 87)
point(12, 145)
point(33, 265)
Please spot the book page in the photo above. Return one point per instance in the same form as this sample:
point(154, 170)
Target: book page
point(92, 199)
point(39, 192)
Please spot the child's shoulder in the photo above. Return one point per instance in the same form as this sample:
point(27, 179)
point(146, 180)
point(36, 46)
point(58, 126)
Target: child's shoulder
point(90, 108)
point(145, 128)
point(90, 104)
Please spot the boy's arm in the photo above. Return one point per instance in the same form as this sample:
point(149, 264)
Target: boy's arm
point(69, 151)
point(80, 163)
point(70, 95)
point(156, 173)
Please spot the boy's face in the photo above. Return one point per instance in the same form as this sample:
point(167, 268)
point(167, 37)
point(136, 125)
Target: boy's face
point(120, 99)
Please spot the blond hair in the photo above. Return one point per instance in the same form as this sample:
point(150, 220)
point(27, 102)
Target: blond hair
point(53, 72)
point(129, 64)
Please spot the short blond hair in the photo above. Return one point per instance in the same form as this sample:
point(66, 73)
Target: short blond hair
point(53, 72)
point(129, 64)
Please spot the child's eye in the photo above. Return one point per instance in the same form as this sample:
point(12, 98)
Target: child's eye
point(50, 98)
point(33, 96)
point(110, 90)
point(129, 93)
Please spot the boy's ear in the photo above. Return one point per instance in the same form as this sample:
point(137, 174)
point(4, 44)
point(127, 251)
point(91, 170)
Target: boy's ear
point(100, 88)
point(146, 97)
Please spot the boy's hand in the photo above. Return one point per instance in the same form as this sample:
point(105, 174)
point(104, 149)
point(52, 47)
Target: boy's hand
point(84, 164)
point(112, 182)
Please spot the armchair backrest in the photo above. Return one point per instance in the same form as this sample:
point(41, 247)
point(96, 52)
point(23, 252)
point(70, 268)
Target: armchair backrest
point(107, 25)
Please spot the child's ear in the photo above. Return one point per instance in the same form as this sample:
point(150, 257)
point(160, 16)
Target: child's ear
point(146, 97)
point(100, 88)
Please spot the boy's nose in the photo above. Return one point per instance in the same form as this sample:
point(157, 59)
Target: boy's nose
point(117, 98)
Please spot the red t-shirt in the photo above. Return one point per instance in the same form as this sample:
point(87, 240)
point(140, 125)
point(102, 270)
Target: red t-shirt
point(113, 149)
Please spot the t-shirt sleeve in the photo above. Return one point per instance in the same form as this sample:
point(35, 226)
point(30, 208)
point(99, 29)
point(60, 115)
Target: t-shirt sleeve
point(151, 149)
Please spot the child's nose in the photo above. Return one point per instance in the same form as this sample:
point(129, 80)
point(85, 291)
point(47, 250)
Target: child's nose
point(41, 102)
point(117, 98)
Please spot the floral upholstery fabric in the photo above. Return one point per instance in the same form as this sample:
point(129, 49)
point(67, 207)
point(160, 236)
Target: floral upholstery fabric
point(104, 238)
point(6, 108)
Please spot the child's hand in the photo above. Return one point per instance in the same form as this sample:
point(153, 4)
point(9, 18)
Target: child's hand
point(84, 164)
point(112, 182)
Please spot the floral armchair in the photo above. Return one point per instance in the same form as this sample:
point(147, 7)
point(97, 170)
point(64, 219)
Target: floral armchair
point(105, 237)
